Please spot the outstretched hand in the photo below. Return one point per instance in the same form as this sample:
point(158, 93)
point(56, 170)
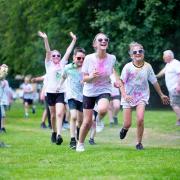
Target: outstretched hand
point(42, 34)
point(165, 99)
point(73, 36)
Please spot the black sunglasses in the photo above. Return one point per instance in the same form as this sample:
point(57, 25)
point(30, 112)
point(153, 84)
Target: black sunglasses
point(56, 55)
point(105, 39)
point(141, 51)
point(79, 58)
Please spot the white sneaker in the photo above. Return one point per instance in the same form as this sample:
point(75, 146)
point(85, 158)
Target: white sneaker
point(80, 147)
point(99, 126)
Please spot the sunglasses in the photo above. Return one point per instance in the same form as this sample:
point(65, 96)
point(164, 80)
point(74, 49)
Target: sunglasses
point(141, 51)
point(56, 55)
point(79, 58)
point(105, 39)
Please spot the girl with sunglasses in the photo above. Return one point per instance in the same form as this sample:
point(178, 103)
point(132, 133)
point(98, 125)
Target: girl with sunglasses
point(135, 90)
point(55, 95)
point(97, 68)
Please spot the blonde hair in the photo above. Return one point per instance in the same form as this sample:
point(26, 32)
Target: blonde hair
point(133, 44)
point(96, 38)
point(55, 51)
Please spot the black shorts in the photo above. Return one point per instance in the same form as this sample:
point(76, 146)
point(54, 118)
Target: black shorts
point(115, 97)
point(53, 98)
point(29, 101)
point(74, 104)
point(89, 102)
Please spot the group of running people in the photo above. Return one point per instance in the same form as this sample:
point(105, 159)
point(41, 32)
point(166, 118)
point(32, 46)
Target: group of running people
point(88, 88)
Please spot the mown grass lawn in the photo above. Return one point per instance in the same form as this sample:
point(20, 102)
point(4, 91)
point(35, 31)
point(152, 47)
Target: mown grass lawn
point(32, 156)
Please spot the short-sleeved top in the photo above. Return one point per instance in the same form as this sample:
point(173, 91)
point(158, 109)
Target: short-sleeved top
point(136, 82)
point(101, 84)
point(73, 82)
point(1, 90)
point(5, 93)
point(115, 90)
point(53, 76)
point(172, 74)
point(27, 87)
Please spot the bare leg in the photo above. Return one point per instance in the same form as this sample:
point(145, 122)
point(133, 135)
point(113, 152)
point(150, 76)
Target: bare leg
point(60, 111)
point(177, 111)
point(127, 116)
point(140, 109)
point(86, 125)
point(73, 118)
point(53, 117)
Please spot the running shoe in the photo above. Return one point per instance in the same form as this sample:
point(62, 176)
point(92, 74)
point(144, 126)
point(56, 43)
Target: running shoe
point(91, 141)
point(72, 144)
point(80, 147)
point(122, 133)
point(53, 137)
point(139, 146)
point(59, 140)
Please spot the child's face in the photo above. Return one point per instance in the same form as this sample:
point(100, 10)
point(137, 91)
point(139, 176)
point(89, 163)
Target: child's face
point(56, 57)
point(101, 42)
point(137, 53)
point(78, 59)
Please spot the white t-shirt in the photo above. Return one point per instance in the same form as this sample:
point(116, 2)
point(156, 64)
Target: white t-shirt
point(5, 94)
point(136, 82)
point(27, 87)
point(172, 72)
point(115, 91)
point(53, 76)
point(102, 84)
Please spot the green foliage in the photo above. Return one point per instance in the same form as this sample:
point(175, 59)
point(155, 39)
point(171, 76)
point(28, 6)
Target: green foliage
point(154, 23)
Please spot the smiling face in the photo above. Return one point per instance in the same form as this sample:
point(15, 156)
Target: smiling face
point(78, 59)
point(137, 52)
point(101, 42)
point(55, 56)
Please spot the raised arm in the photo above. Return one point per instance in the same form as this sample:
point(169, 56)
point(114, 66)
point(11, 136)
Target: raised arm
point(46, 44)
point(161, 73)
point(70, 47)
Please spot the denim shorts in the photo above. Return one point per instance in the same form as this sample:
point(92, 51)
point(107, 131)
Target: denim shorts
point(74, 104)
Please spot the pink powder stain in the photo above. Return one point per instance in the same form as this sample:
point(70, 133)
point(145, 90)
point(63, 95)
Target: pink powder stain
point(101, 66)
point(129, 76)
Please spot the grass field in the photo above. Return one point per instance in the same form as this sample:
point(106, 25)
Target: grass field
point(32, 156)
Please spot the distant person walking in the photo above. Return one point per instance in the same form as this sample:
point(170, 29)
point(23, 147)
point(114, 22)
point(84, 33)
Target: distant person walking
point(28, 95)
point(172, 78)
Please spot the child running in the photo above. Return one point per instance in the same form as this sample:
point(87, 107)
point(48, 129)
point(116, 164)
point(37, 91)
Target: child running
point(135, 90)
point(73, 76)
point(55, 96)
point(97, 68)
